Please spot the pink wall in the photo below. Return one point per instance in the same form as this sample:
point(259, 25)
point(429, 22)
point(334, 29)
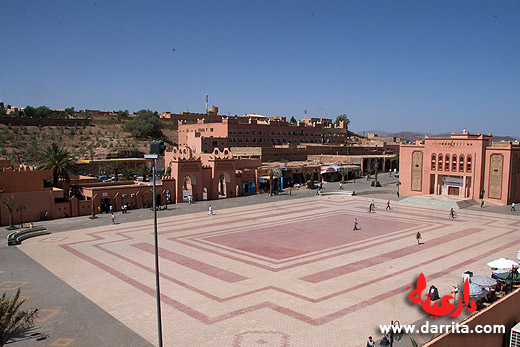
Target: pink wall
point(503, 312)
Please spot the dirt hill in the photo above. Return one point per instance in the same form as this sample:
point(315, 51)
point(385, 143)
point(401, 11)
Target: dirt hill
point(103, 138)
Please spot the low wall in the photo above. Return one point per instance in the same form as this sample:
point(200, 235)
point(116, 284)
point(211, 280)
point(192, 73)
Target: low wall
point(17, 121)
point(503, 312)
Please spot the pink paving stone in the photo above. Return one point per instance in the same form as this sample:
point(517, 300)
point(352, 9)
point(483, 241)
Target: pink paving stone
point(193, 264)
point(297, 238)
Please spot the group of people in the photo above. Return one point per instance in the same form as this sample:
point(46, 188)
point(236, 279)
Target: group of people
point(44, 216)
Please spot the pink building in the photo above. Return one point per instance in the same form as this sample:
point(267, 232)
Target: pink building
point(464, 165)
point(240, 132)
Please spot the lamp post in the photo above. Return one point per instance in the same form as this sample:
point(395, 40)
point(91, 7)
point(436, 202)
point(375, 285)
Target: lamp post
point(21, 208)
point(157, 287)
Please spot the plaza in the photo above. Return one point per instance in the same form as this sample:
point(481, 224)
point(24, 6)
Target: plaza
point(285, 272)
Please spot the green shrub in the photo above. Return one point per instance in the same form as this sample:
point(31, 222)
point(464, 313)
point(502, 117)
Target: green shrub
point(375, 184)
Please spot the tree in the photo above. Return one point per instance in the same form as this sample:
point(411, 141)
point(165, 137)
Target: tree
point(122, 113)
point(144, 171)
point(343, 173)
point(93, 207)
point(29, 111)
point(70, 112)
point(146, 125)
point(342, 118)
point(42, 112)
point(128, 174)
point(293, 120)
point(14, 321)
point(9, 204)
point(58, 160)
point(117, 166)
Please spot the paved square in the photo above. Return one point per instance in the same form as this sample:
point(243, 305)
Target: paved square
point(289, 273)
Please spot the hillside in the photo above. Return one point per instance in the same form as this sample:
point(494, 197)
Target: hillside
point(103, 138)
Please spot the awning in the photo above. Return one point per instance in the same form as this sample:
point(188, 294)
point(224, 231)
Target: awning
point(262, 179)
point(327, 169)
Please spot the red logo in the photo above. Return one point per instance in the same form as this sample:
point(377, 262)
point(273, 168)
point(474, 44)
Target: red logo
point(444, 307)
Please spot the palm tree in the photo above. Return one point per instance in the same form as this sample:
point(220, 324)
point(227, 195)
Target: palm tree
point(13, 321)
point(117, 166)
point(10, 205)
point(93, 207)
point(343, 173)
point(58, 160)
point(128, 174)
point(144, 171)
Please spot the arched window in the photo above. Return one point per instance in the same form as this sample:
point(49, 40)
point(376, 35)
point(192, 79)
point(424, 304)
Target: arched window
point(434, 161)
point(447, 163)
point(461, 163)
point(468, 164)
point(440, 162)
point(454, 163)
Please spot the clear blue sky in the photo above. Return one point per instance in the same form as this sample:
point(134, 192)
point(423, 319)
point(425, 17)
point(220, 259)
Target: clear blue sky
point(427, 66)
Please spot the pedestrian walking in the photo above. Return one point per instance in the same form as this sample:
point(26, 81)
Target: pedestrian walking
point(513, 206)
point(388, 205)
point(367, 177)
point(113, 218)
point(110, 209)
point(210, 210)
point(482, 203)
point(398, 194)
point(290, 190)
point(418, 237)
point(370, 208)
point(340, 185)
point(355, 224)
point(452, 213)
point(370, 342)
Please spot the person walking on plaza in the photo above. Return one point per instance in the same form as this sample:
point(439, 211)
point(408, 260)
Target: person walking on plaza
point(482, 203)
point(388, 205)
point(418, 237)
point(513, 206)
point(210, 210)
point(340, 185)
point(452, 213)
point(113, 218)
point(370, 342)
point(355, 224)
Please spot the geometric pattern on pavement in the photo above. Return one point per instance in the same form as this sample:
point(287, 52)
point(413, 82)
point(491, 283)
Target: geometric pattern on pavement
point(289, 273)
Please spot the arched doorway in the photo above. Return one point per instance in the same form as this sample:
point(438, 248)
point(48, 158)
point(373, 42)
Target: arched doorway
point(189, 187)
point(224, 186)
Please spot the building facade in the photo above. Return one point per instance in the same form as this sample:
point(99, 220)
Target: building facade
point(207, 135)
point(464, 165)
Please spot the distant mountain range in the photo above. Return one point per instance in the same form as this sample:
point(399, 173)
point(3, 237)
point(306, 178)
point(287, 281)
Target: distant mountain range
point(414, 136)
